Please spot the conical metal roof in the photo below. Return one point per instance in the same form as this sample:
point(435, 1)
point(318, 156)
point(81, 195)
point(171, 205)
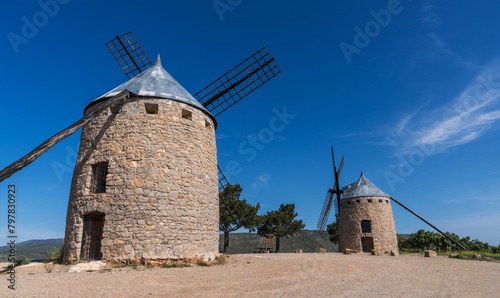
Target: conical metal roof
point(155, 82)
point(363, 188)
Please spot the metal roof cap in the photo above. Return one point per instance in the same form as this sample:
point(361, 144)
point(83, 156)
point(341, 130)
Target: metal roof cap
point(155, 82)
point(362, 188)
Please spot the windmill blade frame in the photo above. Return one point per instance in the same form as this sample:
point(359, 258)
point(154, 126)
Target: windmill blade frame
point(238, 82)
point(325, 211)
point(330, 196)
point(129, 54)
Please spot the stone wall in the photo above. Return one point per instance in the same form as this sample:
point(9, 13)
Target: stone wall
point(161, 199)
point(376, 209)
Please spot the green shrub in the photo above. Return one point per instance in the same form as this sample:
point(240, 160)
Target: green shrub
point(203, 264)
point(175, 265)
point(104, 270)
point(56, 255)
point(221, 260)
point(22, 261)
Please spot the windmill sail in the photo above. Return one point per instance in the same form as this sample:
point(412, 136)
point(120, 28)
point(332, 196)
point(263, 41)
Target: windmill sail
point(330, 196)
point(129, 54)
point(45, 146)
point(325, 211)
point(237, 83)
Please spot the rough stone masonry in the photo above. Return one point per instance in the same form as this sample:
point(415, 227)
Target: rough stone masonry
point(161, 188)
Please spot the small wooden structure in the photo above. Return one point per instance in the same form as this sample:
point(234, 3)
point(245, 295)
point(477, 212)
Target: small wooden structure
point(269, 239)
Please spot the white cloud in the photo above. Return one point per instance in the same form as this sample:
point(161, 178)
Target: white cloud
point(264, 177)
point(429, 15)
point(261, 180)
point(464, 119)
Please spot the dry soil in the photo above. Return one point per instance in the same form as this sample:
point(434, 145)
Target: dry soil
point(276, 275)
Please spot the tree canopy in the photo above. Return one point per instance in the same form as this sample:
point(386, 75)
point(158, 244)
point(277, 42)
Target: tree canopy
point(236, 213)
point(281, 223)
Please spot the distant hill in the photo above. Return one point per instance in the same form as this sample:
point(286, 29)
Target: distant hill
point(240, 243)
point(32, 249)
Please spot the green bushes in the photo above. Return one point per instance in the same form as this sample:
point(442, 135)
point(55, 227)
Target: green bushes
point(22, 261)
point(423, 240)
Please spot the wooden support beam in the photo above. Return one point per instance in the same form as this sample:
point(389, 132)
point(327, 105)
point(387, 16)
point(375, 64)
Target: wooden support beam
point(421, 218)
point(45, 146)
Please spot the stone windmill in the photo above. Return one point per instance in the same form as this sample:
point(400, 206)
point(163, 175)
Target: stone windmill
point(146, 183)
point(364, 215)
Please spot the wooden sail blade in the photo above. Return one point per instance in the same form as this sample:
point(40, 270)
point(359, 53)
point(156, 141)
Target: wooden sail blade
point(434, 227)
point(333, 160)
point(129, 54)
point(325, 211)
point(45, 146)
point(239, 82)
point(341, 164)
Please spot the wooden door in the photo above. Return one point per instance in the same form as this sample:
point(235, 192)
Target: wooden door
point(367, 244)
point(92, 236)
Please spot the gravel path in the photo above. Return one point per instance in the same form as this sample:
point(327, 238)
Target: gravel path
point(277, 275)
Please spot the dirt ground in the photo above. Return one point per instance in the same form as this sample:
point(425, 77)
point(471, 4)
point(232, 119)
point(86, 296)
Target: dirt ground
point(277, 275)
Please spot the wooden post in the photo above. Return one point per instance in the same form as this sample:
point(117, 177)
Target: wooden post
point(269, 238)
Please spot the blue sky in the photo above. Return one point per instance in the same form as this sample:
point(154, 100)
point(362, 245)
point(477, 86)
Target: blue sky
point(413, 102)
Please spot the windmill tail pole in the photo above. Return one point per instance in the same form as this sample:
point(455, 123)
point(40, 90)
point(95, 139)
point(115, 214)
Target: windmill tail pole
point(45, 146)
point(444, 234)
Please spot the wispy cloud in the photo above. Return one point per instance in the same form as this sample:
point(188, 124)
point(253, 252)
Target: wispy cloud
point(443, 50)
point(464, 119)
point(261, 180)
point(429, 15)
point(264, 177)
point(431, 18)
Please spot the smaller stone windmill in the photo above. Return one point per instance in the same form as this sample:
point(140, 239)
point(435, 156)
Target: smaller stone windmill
point(365, 219)
point(364, 215)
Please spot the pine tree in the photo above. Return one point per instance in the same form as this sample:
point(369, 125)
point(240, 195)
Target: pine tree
point(281, 223)
point(235, 213)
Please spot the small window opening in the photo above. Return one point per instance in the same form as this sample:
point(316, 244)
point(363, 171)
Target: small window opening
point(366, 226)
point(208, 125)
point(358, 201)
point(348, 202)
point(380, 200)
point(99, 173)
point(115, 109)
point(387, 201)
point(370, 200)
point(151, 108)
point(187, 114)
